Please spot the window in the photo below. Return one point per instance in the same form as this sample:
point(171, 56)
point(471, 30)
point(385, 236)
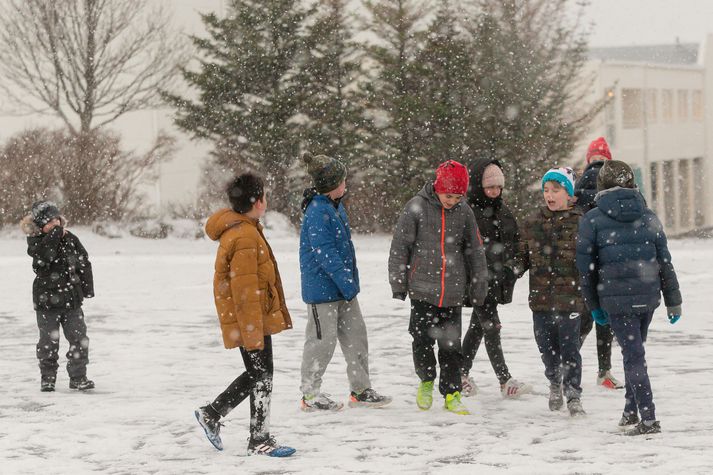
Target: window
point(654, 175)
point(684, 187)
point(667, 105)
point(651, 106)
point(668, 197)
point(610, 117)
point(683, 104)
point(631, 108)
point(697, 105)
point(699, 198)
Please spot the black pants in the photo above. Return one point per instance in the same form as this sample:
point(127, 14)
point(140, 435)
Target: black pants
point(604, 341)
point(557, 337)
point(75, 330)
point(485, 323)
point(430, 324)
point(255, 382)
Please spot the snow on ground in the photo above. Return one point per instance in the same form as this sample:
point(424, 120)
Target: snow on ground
point(156, 354)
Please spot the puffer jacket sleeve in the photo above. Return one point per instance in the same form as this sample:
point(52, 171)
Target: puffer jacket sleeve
point(45, 250)
point(521, 263)
point(475, 260)
point(401, 249)
point(587, 258)
point(245, 292)
point(84, 269)
point(667, 274)
point(322, 232)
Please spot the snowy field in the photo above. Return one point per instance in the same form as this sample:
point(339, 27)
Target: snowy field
point(156, 354)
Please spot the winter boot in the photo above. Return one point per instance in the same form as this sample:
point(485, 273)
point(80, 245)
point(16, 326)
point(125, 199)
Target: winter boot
point(575, 407)
point(513, 388)
point(47, 384)
point(628, 419)
point(269, 447)
point(608, 381)
point(556, 399)
point(454, 404)
point(81, 384)
point(424, 396)
point(368, 398)
point(645, 427)
point(319, 402)
point(468, 386)
point(211, 427)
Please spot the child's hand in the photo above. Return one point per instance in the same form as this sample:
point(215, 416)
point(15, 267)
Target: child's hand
point(399, 295)
point(674, 314)
point(47, 228)
point(600, 317)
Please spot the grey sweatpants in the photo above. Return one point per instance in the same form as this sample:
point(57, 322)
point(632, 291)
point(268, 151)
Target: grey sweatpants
point(327, 322)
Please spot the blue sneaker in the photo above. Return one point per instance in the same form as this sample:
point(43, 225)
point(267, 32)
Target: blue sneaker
point(269, 447)
point(210, 426)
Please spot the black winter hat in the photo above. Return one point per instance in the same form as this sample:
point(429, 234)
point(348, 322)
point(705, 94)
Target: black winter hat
point(43, 212)
point(326, 172)
point(615, 173)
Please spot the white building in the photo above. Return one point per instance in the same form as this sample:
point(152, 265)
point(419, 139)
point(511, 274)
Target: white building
point(660, 121)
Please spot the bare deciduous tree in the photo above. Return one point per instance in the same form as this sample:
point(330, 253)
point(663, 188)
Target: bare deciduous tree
point(87, 61)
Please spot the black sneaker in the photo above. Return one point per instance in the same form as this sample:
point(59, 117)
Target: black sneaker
point(556, 400)
point(269, 447)
point(643, 428)
point(210, 426)
point(368, 398)
point(628, 419)
point(575, 407)
point(81, 384)
point(47, 384)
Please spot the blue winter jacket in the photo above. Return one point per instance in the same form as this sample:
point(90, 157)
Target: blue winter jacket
point(586, 187)
point(622, 256)
point(327, 258)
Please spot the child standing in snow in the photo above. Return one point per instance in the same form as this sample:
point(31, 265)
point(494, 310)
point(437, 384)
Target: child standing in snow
point(63, 279)
point(623, 258)
point(584, 190)
point(437, 259)
point(548, 251)
point(330, 284)
point(501, 237)
point(251, 307)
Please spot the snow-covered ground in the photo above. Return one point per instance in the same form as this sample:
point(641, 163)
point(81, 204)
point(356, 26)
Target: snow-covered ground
point(156, 354)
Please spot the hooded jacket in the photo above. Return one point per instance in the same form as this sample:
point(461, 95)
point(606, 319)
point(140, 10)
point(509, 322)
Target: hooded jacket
point(623, 257)
point(328, 264)
point(436, 254)
point(247, 288)
point(586, 187)
point(498, 228)
point(63, 273)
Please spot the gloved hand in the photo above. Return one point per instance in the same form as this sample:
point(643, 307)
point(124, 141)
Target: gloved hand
point(399, 295)
point(674, 314)
point(600, 317)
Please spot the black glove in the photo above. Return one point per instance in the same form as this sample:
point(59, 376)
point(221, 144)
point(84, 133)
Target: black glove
point(399, 295)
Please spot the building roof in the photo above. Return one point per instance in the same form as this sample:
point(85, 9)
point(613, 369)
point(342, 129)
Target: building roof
point(677, 53)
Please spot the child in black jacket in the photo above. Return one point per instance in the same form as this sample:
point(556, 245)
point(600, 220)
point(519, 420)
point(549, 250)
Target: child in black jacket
point(63, 278)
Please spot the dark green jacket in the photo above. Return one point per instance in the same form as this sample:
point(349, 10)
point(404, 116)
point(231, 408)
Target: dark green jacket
point(548, 249)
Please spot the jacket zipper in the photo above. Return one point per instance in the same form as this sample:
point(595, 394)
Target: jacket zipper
point(443, 256)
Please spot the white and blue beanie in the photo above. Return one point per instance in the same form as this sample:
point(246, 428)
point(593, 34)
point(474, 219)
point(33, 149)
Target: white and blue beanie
point(562, 175)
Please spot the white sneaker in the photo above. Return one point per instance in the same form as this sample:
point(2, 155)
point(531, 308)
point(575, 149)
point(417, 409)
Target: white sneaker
point(514, 388)
point(468, 387)
point(609, 381)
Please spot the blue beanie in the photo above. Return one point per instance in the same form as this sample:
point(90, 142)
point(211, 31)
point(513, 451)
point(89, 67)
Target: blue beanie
point(562, 175)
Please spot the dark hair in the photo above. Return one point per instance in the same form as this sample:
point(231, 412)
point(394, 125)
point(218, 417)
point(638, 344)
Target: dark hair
point(244, 190)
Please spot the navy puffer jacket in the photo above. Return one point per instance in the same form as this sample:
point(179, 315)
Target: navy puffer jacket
point(586, 187)
point(623, 257)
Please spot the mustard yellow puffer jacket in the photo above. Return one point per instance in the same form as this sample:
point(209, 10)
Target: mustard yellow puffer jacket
point(247, 286)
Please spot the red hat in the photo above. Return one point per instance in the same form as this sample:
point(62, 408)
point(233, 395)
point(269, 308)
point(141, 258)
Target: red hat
point(598, 146)
point(451, 177)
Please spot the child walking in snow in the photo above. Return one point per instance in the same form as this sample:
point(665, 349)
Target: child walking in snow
point(584, 190)
point(625, 265)
point(437, 259)
point(548, 251)
point(330, 284)
point(63, 279)
point(501, 237)
point(251, 307)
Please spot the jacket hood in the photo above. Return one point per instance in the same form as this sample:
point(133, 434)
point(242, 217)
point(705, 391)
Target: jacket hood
point(223, 220)
point(476, 194)
point(429, 194)
point(28, 226)
point(622, 204)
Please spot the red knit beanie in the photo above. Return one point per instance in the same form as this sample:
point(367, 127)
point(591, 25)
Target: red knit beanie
point(452, 178)
point(598, 146)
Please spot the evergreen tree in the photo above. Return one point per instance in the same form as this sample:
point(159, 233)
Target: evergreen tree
point(247, 89)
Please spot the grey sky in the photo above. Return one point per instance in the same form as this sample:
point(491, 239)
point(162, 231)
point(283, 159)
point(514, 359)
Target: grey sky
point(641, 22)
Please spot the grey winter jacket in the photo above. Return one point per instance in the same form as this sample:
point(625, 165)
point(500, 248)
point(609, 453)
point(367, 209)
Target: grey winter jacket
point(437, 255)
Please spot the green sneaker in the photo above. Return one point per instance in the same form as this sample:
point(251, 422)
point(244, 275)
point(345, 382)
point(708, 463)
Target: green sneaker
point(454, 405)
point(424, 396)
